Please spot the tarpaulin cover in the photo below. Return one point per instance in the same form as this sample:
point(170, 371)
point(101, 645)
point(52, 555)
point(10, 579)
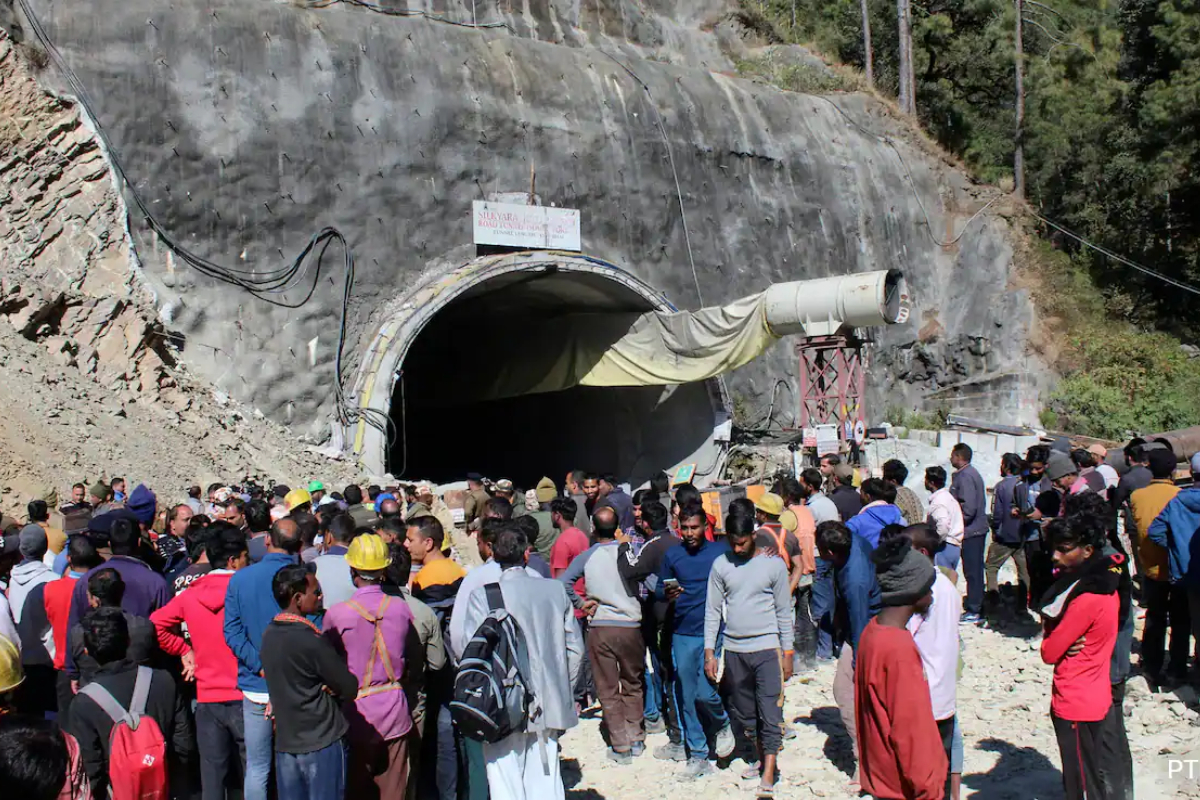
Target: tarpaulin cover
point(627, 349)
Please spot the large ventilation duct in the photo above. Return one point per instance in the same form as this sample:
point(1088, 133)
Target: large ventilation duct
point(823, 307)
point(666, 348)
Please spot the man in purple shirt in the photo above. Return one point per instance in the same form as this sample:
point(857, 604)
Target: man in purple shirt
point(371, 630)
point(145, 590)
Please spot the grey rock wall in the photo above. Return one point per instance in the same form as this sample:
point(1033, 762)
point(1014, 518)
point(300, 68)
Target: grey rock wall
point(246, 126)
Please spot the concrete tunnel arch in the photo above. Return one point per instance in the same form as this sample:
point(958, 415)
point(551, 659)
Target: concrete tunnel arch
point(437, 332)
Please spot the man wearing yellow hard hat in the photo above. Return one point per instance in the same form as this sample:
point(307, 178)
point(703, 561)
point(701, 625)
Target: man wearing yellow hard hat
point(371, 628)
point(298, 500)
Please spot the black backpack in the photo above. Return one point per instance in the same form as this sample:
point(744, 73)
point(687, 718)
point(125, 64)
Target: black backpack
point(491, 694)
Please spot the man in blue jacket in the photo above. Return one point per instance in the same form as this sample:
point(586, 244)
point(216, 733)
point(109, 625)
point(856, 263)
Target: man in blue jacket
point(1175, 528)
point(856, 600)
point(879, 509)
point(967, 488)
point(249, 608)
point(683, 580)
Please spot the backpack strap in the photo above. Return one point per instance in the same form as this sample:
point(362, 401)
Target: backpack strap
point(108, 704)
point(495, 597)
point(141, 693)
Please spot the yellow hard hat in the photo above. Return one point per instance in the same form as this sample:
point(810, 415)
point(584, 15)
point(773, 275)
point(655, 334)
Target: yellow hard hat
point(11, 673)
point(789, 521)
point(770, 503)
point(368, 553)
point(296, 497)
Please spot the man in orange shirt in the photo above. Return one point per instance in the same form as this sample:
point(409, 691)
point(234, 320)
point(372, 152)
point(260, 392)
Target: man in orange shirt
point(1166, 603)
point(799, 519)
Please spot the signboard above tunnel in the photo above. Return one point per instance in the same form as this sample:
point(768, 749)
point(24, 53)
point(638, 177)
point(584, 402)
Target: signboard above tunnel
point(526, 227)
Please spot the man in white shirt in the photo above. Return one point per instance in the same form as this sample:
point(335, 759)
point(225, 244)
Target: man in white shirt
point(935, 633)
point(1111, 478)
point(946, 517)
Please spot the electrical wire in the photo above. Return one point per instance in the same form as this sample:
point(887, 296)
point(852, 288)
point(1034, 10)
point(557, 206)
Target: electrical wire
point(674, 173)
point(1118, 258)
point(259, 284)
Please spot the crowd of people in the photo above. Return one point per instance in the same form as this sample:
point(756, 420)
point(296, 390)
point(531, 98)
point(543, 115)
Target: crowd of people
point(313, 644)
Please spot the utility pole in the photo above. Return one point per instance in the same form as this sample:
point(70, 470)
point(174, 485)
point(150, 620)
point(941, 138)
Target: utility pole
point(1019, 134)
point(908, 88)
point(868, 57)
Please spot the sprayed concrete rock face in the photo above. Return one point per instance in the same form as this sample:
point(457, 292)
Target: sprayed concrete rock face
point(247, 126)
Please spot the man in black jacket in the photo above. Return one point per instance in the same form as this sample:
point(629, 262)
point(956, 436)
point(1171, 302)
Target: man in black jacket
point(640, 568)
point(106, 639)
point(105, 589)
point(307, 681)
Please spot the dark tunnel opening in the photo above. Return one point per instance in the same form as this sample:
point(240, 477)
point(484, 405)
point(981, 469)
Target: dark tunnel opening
point(501, 332)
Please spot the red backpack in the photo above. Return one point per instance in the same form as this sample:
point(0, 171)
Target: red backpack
point(137, 751)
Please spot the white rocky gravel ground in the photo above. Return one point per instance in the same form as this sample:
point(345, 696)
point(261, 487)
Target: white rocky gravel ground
point(1004, 708)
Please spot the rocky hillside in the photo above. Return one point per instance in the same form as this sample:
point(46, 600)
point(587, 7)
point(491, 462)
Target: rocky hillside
point(89, 382)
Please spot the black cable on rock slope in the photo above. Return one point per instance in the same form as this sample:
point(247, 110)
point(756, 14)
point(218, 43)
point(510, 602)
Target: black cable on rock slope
point(261, 285)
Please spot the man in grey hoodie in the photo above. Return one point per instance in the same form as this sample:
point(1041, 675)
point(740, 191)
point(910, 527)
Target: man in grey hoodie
point(32, 571)
point(614, 642)
point(754, 590)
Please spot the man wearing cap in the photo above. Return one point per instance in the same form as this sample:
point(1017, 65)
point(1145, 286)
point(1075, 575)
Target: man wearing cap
point(371, 631)
point(1099, 454)
point(844, 495)
point(505, 490)
point(773, 538)
point(1174, 529)
point(37, 694)
point(31, 571)
point(900, 750)
point(1165, 603)
point(474, 501)
point(298, 500)
point(316, 490)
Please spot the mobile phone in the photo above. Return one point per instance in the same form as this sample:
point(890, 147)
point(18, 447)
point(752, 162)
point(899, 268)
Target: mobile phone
point(671, 583)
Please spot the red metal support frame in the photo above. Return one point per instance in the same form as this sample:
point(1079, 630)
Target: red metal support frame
point(832, 380)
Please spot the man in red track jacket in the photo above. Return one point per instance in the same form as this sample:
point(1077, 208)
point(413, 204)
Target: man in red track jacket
point(207, 659)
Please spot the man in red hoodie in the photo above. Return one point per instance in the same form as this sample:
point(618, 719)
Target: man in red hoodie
point(207, 659)
point(900, 750)
point(1080, 613)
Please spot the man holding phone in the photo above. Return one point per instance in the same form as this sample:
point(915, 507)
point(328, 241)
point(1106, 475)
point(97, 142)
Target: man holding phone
point(683, 581)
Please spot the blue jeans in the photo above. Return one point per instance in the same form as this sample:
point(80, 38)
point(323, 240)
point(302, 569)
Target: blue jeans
point(822, 606)
point(439, 755)
point(654, 689)
point(260, 750)
point(948, 556)
point(696, 693)
point(319, 775)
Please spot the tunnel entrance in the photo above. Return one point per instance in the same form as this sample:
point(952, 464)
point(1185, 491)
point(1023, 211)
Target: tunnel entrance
point(453, 406)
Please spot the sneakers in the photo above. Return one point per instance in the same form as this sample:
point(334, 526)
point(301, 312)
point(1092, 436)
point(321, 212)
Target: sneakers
point(671, 752)
point(790, 733)
point(970, 618)
point(697, 768)
point(725, 742)
point(656, 726)
point(637, 748)
point(623, 759)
